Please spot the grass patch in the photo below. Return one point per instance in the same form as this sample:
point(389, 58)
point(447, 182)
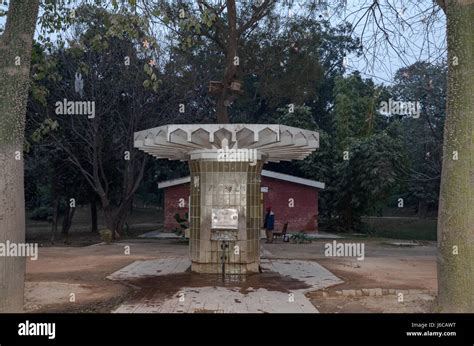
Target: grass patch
point(141, 220)
point(402, 228)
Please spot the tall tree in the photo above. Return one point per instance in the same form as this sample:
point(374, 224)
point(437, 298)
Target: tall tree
point(108, 58)
point(456, 209)
point(15, 57)
point(225, 22)
point(422, 135)
point(456, 205)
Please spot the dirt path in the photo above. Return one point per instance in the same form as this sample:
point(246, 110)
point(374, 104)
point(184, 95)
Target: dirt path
point(404, 278)
point(81, 271)
point(384, 284)
point(73, 279)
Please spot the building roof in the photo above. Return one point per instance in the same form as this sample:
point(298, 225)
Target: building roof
point(265, 173)
point(272, 142)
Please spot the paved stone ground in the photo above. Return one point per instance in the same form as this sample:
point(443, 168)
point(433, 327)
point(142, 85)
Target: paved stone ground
point(170, 235)
point(158, 267)
point(159, 235)
point(214, 299)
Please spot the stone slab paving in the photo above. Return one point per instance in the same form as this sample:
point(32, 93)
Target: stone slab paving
point(159, 235)
point(309, 272)
point(227, 299)
point(158, 267)
point(171, 235)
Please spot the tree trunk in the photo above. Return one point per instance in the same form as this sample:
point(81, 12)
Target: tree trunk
point(94, 228)
point(122, 215)
point(422, 209)
point(221, 109)
point(349, 220)
point(54, 225)
point(230, 68)
point(115, 218)
point(15, 46)
point(108, 213)
point(456, 208)
point(67, 220)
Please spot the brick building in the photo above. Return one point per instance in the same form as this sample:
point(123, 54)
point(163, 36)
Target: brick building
point(293, 200)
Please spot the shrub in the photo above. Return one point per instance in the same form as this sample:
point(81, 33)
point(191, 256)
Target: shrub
point(300, 238)
point(183, 223)
point(42, 214)
point(106, 235)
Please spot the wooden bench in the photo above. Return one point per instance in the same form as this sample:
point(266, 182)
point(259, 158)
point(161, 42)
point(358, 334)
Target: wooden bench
point(281, 234)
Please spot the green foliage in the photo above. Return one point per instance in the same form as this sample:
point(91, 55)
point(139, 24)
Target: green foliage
point(300, 117)
point(366, 179)
point(182, 221)
point(355, 105)
point(106, 235)
point(47, 126)
point(422, 137)
point(403, 228)
point(300, 238)
point(183, 224)
point(42, 214)
point(59, 146)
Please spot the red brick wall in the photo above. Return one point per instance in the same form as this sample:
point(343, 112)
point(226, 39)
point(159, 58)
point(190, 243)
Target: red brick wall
point(172, 197)
point(302, 217)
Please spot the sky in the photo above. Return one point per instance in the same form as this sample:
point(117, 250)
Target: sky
point(415, 28)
